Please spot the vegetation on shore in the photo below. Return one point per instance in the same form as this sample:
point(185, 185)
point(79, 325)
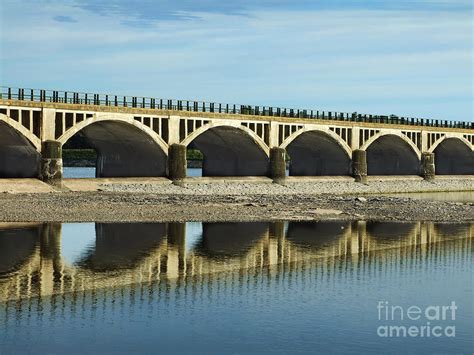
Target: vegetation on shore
point(79, 154)
point(82, 154)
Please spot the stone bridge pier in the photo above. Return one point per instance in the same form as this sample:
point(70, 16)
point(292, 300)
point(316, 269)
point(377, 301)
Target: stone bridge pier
point(150, 137)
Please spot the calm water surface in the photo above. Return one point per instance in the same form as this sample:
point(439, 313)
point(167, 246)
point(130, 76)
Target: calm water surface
point(230, 287)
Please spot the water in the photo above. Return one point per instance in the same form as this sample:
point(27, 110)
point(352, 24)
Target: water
point(293, 287)
point(78, 173)
point(82, 173)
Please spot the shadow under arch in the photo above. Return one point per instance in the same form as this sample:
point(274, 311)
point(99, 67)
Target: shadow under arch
point(391, 155)
point(446, 230)
point(453, 157)
point(316, 235)
point(230, 239)
point(18, 156)
point(386, 232)
point(124, 150)
point(315, 153)
point(17, 245)
point(123, 245)
point(229, 151)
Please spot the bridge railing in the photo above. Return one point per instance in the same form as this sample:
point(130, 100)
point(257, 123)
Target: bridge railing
point(38, 95)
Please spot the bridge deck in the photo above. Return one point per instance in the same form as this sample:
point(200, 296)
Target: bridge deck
point(238, 116)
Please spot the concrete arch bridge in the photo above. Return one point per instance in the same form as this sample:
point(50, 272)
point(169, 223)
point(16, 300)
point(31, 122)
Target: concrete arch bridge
point(149, 137)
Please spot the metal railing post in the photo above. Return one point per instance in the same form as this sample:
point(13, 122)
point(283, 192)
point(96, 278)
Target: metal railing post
point(56, 96)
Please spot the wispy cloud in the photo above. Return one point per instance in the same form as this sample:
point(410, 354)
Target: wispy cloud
point(150, 10)
point(410, 60)
point(61, 18)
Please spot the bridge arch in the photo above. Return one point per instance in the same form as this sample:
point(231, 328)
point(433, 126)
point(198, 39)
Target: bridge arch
point(316, 152)
point(224, 240)
point(18, 245)
point(229, 149)
point(400, 135)
point(124, 146)
point(392, 154)
point(118, 248)
point(259, 141)
point(328, 132)
point(35, 141)
point(19, 150)
point(442, 139)
point(382, 232)
point(453, 156)
point(111, 117)
point(318, 235)
point(448, 230)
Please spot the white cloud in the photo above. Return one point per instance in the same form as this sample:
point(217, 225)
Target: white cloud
point(411, 63)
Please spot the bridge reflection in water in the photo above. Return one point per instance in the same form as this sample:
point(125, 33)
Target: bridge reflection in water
point(34, 258)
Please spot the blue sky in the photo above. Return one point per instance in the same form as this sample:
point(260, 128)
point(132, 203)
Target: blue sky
point(407, 57)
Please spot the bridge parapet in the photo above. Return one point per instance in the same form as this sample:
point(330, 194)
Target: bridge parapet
point(119, 101)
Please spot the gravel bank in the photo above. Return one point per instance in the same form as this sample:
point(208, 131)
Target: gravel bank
point(337, 187)
point(240, 201)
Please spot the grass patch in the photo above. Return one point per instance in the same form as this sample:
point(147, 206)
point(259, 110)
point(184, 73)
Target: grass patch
point(79, 154)
point(193, 154)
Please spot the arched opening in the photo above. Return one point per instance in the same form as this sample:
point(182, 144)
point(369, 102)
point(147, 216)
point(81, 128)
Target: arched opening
point(316, 235)
point(316, 153)
point(391, 155)
point(122, 150)
point(450, 230)
point(194, 158)
point(123, 245)
point(229, 151)
point(17, 245)
point(389, 232)
point(18, 157)
point(228, 240)
point(79, 157)
point(453, 157)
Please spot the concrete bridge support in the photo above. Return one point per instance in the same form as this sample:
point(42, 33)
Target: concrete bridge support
point(52, 163)
point(359, 165)
point(177, 245)
point(50, 251)
point(177, 162)
point(428, 166)
point(277, 164)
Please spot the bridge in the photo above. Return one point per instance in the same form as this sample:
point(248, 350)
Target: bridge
point(32, 260)
point(145, 137)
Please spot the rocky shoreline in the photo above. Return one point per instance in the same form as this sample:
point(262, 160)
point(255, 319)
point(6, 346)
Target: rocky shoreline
point(161, 201)
point(292, 186)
